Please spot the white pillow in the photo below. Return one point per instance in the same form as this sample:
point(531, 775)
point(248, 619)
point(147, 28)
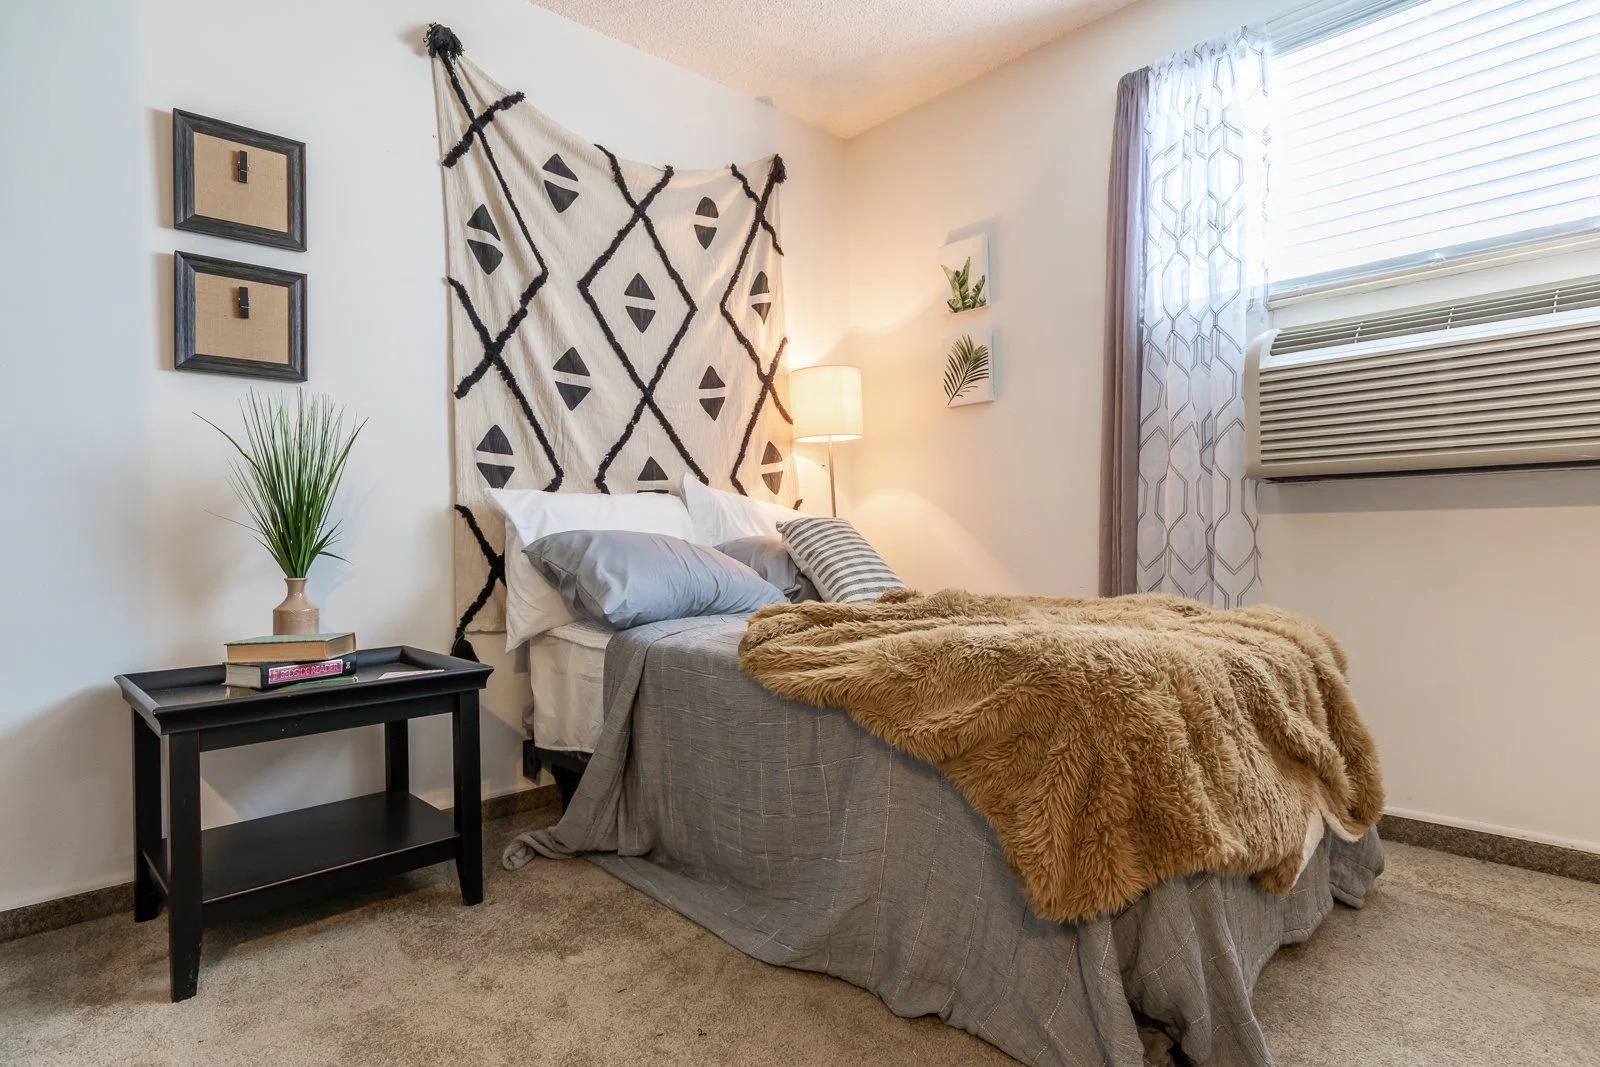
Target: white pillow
point(532, 604)
point(720, 517)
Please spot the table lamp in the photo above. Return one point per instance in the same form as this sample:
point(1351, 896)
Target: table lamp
point(826, 403)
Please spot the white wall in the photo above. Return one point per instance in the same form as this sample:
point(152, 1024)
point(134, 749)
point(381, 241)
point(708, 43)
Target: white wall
point(1464, 602)
point(114, 562)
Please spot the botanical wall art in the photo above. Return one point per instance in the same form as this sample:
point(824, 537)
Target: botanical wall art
point(968, 362)
point(969, 369)
point(966, 274)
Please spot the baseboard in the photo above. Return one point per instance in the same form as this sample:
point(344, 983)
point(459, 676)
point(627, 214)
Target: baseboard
point(1474, 844)
point(81, 907)
point(1495, 848)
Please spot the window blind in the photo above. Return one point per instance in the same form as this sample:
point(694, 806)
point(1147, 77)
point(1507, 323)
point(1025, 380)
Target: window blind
point(1443, 128)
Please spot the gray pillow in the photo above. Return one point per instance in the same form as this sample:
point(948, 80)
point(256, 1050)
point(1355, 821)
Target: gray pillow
point(620, 578)
point(768, 557)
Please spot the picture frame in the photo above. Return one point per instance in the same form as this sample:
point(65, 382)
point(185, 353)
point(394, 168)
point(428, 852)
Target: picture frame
point(232, 181)
point(966, 261)
point(238, 318)
point(968, 367)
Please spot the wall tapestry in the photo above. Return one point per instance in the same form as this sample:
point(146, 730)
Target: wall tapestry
point(613, 325)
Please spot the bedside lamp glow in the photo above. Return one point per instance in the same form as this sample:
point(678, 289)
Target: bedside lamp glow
point(826, 401)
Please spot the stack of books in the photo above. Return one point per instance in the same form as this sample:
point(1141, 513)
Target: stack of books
point(262, 663)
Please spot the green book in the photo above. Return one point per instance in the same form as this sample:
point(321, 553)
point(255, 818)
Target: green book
point(290, 648)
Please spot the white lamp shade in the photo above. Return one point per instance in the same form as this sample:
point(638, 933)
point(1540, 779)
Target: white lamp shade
point(826, 403)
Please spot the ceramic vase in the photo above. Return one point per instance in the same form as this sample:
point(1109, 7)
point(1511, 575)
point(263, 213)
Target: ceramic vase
point(297, 614)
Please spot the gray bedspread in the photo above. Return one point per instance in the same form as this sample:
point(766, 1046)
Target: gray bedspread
point(797, 837)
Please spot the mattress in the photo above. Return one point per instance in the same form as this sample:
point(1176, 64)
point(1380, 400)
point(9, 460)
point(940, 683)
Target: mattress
point(566, 668)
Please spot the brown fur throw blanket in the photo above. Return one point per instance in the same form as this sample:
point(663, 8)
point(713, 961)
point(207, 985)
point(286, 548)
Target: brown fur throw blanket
point(1110, 743)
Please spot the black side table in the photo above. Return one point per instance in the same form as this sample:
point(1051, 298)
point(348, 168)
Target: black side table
point(230, 871)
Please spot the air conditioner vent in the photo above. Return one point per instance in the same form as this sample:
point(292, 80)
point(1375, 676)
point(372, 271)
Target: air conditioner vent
point(1499, 307)
point(1506, 380)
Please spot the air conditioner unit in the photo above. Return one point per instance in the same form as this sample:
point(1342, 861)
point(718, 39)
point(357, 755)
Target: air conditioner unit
point(1510, 380)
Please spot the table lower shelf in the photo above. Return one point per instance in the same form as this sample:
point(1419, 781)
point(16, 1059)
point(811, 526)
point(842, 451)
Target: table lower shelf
point(281, 859)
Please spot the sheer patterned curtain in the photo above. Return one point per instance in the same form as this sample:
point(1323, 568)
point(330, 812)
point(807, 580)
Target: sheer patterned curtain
point(1202, 289)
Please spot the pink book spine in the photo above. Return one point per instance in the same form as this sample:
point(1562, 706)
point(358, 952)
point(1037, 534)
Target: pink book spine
point(304, 672)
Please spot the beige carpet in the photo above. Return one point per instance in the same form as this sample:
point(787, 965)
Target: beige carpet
point(1453, 962)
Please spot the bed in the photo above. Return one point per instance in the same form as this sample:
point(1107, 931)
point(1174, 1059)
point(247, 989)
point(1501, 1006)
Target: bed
point(802, 840)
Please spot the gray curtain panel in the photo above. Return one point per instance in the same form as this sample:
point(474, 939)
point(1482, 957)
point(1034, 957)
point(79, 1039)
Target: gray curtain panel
point(1119, 510)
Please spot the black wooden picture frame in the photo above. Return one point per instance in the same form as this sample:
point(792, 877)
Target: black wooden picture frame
point(185, 125)
point(185, 266)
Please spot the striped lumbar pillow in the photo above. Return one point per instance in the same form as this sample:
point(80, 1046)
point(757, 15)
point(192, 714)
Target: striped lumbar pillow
point(838, 560)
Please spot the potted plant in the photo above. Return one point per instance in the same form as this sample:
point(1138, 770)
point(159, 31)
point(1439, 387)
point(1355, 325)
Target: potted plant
point(291, 459)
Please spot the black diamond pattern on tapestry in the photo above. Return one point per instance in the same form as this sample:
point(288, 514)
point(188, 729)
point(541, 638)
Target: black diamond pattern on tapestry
point(481, 220)
point(494, 344)
point(766, 375)
point(713, 382)
point(639, 289)
point(556, 165)
point(704, 233)
point(487, 255)
point(761, 291)
point(571, 395)
point(495, 441)
point(493, 356)
point(477, 132)
point(561, 197)
point(637, 221)
point(651, 471)
point(496, 474)
point(571, 365)
point(773, 478)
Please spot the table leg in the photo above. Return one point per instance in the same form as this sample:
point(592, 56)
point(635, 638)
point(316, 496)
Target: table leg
point(146, 818)
point(397, 756)
point(183, 863)
point(468, 799)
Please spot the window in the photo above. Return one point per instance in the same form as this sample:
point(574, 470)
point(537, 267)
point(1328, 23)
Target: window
point(1437, 130)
